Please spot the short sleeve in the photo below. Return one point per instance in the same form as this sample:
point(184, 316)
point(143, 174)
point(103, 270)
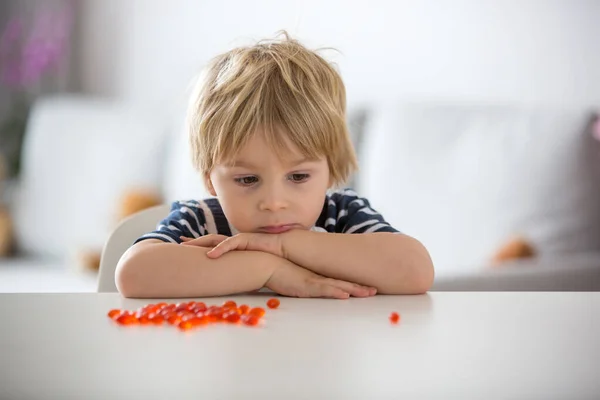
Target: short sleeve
point(355, 215)
point(185, 219)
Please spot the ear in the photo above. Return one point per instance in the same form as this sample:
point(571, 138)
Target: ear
point(209, 186)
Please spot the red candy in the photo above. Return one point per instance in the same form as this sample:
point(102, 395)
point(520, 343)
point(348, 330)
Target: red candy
point(257, 311)
point(394, 318)
point(127, 319)
point(230, 304)
point(186, 325)
point(181, 307)
point(244, 309)
point(273, 303)
point(233, 317)
point(250, 319)
point(200, 307)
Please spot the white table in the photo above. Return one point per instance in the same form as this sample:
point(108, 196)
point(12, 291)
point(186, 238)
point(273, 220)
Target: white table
point(447, 346)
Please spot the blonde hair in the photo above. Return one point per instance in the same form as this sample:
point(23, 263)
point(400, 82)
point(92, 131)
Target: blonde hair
point(289, 92)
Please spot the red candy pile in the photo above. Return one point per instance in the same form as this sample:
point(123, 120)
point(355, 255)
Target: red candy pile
point(191, 315)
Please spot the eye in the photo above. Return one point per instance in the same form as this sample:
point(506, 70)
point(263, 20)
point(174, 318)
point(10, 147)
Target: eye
point(299, 178)
point(246, 180)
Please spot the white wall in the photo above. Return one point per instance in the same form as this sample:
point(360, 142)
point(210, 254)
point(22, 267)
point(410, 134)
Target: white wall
point(104, 46)
point(146, 51)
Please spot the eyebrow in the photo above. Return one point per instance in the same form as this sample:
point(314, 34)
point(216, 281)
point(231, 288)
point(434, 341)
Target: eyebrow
point(249, 165)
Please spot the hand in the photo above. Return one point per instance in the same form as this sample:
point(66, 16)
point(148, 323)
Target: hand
point(289, 279)
point(266, 242)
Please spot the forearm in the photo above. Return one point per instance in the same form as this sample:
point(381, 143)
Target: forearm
point(393, 263)
point(166, 270)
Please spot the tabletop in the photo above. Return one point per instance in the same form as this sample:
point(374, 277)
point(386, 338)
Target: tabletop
point(495, 345)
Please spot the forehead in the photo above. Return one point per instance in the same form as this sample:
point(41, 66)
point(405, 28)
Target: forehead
point(261, 149)
point(266, 158)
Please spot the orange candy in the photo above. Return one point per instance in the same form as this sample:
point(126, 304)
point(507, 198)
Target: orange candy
point(273, 303)
point(215, 313)
point(197, 321)
point(151, 308)
point(244, 309)
point(186, 325)
point(257, 311)
point(250, 319)
point(181, 307)
point(167, 311)
point(185, 315)
point(394, 318)
point(114, 313)
point(199, 307)
point(232, 317)
point(230, 304)
point(127, 319)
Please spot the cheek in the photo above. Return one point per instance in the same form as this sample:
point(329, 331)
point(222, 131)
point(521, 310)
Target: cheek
point(238, 212)
point(312, 207)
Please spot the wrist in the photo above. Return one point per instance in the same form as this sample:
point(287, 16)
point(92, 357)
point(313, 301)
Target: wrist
point(289, 240)
point(268, 264)
point(298, 244)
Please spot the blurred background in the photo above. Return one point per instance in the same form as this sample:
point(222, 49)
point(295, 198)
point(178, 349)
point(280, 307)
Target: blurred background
point(475, 124)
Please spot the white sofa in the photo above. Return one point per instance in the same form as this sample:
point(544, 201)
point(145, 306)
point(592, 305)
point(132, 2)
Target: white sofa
point(466, 178)
point(461, 178)
point(79, 156)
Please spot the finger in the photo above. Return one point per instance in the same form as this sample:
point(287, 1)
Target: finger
point(352, 288)
point(203, 241)
point(330, 291)
point(371, 290)
point(206, 241)
point(223, 247)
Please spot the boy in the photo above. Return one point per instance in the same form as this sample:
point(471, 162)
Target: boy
point(267, 125)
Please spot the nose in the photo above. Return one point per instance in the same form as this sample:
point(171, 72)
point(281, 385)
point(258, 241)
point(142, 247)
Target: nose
point(273, 199)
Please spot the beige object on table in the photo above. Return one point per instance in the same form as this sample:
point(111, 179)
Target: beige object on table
point(6, 232)
point(6, 226)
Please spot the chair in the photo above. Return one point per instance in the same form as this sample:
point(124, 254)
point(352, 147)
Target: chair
point(122, 238)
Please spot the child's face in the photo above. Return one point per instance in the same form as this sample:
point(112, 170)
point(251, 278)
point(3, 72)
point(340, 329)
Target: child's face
point(262, 193)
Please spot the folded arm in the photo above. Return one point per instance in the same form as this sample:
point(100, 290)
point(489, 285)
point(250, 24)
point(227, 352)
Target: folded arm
point(154, 269)
point(393, 263)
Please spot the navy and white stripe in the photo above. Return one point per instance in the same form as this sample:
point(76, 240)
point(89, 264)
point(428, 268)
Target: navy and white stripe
point(343, 212)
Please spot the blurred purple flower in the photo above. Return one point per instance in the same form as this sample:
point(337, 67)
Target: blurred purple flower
point(11, 34)
point(11, 75)
point(26, 57)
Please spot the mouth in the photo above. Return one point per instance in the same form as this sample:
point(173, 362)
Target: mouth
point(278, 228)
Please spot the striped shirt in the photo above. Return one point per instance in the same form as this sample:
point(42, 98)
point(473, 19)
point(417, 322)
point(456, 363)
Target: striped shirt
point(343, 212)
